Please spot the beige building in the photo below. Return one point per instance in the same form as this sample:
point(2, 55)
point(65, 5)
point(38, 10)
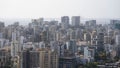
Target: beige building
point(48, 59)
point(40, 58)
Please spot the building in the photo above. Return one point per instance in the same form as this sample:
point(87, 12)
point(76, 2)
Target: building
point(40, 58)
point(87, 37)
point(72, 47)
point(15, 44)
point(48, 59)
point(100, 42)
point(65, 22)
point(107, 39)
point(89, 54)
point(115, 24)
point(67, 62)
point(40, 21)
point(94, 38)
point(2, 25)
point(25, 59)
point(5, 59)
point(117, 40)
point(29, 59)
point(72, 34)
point(76, 21)
point(2, 43)
point(45, 36)
point(90, 23)
point(1, 35)
point(14, 48)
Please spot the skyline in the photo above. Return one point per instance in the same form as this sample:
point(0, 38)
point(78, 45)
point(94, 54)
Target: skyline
point(59, 33)
point(56, 8)
point(26, 21)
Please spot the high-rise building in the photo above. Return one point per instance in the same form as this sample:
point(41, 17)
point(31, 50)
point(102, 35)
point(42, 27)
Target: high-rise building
point(2, 43)
point(4, 58)
point(115, 24)
point(67, 62)
point(14, 48)
point(40, 21)
point(21, 42)
point(76, 21)
point(1, 35)
point(65, 22)
point(25, 59)
point(45, 36)
point(117, 40)
point(72, 47)
point(72, 35)
point(40, 58)
point(107, 39)
point(87, 37)
point(100, 42)
point(29, 59)
point(16, 24)
point(89, 53)
point(91, 23)
point(94, 38)
point(48, 59)
point(53, 22)
point(2, 25)
point(14, 44)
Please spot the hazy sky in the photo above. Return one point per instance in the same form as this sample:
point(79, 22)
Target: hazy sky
point(57, 8)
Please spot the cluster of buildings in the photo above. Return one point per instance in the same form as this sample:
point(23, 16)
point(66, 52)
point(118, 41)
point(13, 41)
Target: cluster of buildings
point(68, 43)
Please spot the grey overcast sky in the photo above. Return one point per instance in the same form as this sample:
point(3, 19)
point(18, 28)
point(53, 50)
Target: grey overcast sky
point(57, 8)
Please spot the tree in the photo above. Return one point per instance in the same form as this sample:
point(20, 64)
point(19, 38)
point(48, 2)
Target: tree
point(100, 56)
point(91, 65)
point(8, 63)
point(116, 58)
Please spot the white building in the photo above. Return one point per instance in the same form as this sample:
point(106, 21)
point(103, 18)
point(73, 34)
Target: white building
point(2, 43)
point(15, 43)
point(14, 48)
point(89, 54)
point(117, 39)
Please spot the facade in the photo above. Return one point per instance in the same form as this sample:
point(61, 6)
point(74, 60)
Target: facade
point(14, 48)
point(100, 42)
point(1, 35)
point(25, 59)
point(89, 54)
point(117, 39)
point(115, 24)
point(2, 25)
point(2, 43)
point(91, 23)
point(118, 44)
point(107, 39)
point(67, 62)
point(39, 59)
point(76, 21)
point(4, 58)
point(48, 59)
point(94, 38)
point(65, 22)
point(29, 59)
point(72, 47)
